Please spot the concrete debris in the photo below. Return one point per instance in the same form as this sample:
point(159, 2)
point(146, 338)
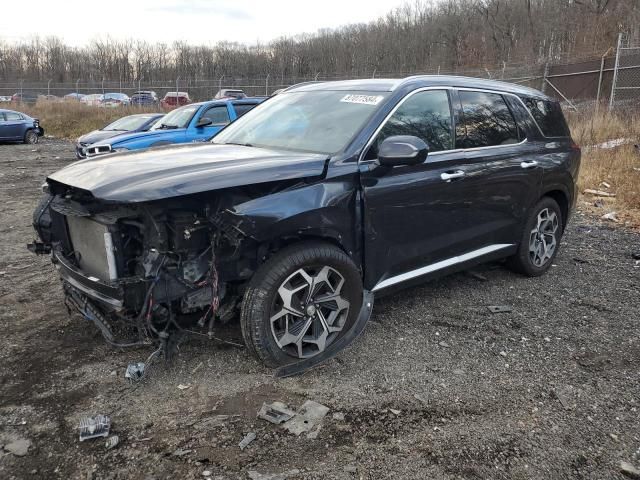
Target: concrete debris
point(94, 427)
point(206, 473)
point(183, 386)
point(598, 193)
point(253, 475)
point(248, 438)
point(500, 308)
point(112, 442)
point(629, 470)
point(309, 414)
point(312, 435)
point(395, 412)
point(276, 412)
point(612, 216)
point(605, 185)
point(19, 447)
point(503, 353)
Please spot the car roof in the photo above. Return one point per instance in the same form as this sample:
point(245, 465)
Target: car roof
point(149, 114)
point(224, 101)
point(417, 81)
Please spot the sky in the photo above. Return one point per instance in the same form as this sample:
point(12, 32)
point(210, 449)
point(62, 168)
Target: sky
point(76, 22)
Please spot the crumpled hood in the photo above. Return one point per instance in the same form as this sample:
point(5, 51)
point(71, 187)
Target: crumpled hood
point(172, 171)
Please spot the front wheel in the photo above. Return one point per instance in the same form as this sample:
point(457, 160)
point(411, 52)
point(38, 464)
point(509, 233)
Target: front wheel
point(31, 137)
point(540, 240)
point(299, 302)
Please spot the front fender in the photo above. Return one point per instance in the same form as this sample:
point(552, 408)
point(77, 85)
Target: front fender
point(326, 210)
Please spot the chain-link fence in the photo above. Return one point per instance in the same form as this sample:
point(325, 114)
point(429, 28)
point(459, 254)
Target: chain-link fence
point(613, 78)
point(625, 91)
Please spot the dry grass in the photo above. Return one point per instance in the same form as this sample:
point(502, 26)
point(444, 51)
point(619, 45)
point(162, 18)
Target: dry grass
point(71, 119)
point(619, 167)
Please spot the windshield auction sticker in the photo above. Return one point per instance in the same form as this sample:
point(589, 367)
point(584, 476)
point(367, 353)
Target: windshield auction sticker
point(362, 99)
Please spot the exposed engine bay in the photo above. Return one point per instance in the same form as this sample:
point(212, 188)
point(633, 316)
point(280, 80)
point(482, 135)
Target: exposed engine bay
point(144, 273)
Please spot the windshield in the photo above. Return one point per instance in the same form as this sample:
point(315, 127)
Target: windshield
point(179, 118)
point(128, 124)
point(318, 122)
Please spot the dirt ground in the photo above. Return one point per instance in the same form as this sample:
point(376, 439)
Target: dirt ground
point(437, 386)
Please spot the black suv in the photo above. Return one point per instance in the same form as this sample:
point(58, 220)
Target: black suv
point(295, 215)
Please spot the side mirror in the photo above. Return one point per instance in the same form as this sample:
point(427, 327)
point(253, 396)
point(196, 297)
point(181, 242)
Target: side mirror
point(402, 150)
point(204, 122)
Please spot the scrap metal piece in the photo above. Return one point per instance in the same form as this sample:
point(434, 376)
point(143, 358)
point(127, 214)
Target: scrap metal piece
point(112, 442)
point(309, 414)
point(248, 438)
point(500, 308)
point(276, 412)
point(94, 427)
point(135, 371)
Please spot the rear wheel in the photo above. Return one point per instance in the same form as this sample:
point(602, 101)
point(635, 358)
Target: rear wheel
point(540, 240)
point(299, 302)
point(31, 137)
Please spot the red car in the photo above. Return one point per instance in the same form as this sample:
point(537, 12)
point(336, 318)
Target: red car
point(175, 99)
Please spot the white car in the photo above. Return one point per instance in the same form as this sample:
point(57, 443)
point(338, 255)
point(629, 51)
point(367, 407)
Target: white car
point(93, 100)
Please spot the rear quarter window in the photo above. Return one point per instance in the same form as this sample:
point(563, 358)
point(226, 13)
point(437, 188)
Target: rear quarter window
point(549, 117)
point(243, 108)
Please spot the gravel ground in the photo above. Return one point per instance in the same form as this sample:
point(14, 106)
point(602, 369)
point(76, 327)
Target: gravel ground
point(437, 386)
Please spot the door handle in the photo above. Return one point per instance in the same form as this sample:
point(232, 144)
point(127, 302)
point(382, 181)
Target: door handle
point(529, 164)
point(447, 177)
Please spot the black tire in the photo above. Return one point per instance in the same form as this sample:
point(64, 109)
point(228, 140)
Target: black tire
point(31, 137)
point(525, 261)
point(261, 297)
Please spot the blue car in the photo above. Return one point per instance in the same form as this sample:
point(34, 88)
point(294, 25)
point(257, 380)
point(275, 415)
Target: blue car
point(196, 122)
point(140, 122)
point(19, 127)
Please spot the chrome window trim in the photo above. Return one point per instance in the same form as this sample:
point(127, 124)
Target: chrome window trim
point(403, 277)
point(455, 150)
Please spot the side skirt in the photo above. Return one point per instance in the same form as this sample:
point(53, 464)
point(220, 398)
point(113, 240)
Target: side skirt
point(441, 265)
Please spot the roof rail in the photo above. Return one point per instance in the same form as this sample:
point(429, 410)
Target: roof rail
point(303, 83)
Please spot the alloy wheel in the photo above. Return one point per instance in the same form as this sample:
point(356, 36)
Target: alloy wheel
point(543, 239)
point(309, 311)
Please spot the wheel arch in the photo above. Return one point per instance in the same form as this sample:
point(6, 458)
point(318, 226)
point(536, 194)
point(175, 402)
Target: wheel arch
point(561, 197)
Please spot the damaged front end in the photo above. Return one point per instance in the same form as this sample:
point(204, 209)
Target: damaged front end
point(145, 271)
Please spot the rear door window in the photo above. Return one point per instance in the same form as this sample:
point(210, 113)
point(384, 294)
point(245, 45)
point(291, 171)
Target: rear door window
point(242, 108)
point(548, 115)
point(486, 121)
